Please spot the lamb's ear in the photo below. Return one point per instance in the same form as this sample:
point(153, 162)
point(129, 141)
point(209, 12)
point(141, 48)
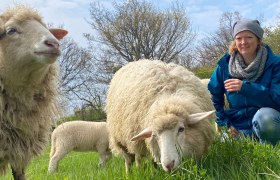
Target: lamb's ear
point(58, 33)
point(146, 133)
point(195, 118)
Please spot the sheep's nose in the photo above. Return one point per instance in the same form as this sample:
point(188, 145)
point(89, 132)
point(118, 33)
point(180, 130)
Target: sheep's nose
point(170, 165)
point(52, 43)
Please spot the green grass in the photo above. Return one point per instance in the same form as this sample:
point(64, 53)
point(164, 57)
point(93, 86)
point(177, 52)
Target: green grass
point(232, 159)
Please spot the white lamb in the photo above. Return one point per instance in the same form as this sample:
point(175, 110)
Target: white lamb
point(28, 86)
point(79, 136)
point(158, 109)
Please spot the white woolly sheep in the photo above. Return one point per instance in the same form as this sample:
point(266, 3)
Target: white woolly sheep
point(28, 86)
point(205, 83)
point(158, 109)
point(79, 136)
point(226, 106)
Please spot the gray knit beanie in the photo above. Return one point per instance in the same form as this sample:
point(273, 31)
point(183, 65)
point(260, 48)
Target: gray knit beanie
point(250, 25)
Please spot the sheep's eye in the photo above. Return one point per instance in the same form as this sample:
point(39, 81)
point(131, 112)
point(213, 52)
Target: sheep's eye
point(11, 31)
point(181, 129)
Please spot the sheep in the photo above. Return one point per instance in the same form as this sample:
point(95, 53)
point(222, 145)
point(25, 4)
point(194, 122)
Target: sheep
point(29, 97)
point(79, 136)
point(159, 111)
point(205, 83)
point(226, 106)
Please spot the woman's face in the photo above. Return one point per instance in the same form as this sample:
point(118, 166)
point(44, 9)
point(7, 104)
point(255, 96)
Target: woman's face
point(246, 43)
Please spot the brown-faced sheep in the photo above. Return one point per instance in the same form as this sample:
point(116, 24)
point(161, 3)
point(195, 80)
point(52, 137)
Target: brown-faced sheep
point(158, 109)
point(79, 136)
point(28, 86)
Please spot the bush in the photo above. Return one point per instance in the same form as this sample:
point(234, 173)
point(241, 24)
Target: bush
point(91, 114)
point(203, 72)
point(85, 115)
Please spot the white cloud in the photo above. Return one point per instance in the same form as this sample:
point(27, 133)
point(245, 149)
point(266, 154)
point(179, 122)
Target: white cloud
point(204, 18)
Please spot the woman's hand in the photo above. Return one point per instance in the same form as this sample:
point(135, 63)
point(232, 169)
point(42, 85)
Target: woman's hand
point(233, 85)
point(233, 131)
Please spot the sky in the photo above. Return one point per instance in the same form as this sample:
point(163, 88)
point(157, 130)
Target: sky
point(203, 14)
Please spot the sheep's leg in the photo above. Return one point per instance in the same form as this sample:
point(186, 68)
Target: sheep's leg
point(18, 173)
point(138, 161)
point(129, 159)
point(57, 156)
point(3, 167)
point(18, 168)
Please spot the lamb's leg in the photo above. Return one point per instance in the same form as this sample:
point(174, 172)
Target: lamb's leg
point(102, 159)
point(108, 155)
point(57, 156)
point(53, 147)
point(104, 155)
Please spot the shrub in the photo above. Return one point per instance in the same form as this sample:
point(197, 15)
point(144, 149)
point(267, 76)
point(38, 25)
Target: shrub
point(203, 72)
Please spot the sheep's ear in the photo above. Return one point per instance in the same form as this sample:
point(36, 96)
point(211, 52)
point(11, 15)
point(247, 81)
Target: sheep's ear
point(195, 118)
point(146, 133)
point(58, 33)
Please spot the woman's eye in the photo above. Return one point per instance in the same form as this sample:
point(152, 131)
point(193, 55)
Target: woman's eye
point(11, 31)
point(181, 129)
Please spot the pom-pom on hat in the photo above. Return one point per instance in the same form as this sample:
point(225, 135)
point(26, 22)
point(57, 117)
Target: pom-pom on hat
point(249, 25)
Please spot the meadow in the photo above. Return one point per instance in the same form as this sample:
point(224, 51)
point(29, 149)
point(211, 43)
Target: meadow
point(229, 159)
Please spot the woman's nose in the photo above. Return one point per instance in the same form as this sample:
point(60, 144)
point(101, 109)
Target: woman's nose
point(243, 41)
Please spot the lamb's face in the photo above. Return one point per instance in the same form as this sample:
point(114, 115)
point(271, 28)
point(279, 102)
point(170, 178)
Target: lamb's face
point(29, 42)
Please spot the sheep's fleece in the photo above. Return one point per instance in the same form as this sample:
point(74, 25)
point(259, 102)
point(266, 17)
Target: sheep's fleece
point(28, 86)
point(79, 136)
point(154, 108)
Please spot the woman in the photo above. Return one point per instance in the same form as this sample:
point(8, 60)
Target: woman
point(249, 76)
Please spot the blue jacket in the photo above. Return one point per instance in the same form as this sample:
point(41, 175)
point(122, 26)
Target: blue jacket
point(264, 92)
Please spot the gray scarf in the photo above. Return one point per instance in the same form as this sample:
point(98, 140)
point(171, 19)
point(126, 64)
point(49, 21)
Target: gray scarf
point(238, 68)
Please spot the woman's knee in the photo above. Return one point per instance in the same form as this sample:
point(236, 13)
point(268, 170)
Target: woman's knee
point(266, 124)
point(267, 116)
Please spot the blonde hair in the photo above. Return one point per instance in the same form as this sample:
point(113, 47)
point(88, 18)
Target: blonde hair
point(233, 47)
